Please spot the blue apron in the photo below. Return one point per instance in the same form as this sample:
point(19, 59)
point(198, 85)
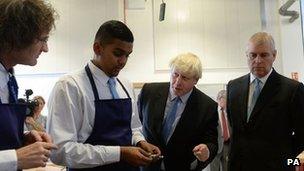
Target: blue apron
point(12, 118)
point(112, 126)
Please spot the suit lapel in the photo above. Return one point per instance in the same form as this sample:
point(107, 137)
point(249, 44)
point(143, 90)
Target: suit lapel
point(270, 88)
point(243, 97)
point(159, 106)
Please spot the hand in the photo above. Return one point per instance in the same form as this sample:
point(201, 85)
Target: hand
point(34, 155)
point(36, 125)
point(29, 120)
point(135, 156)
point(151, 149)
point(36, 136)
point(201, 152)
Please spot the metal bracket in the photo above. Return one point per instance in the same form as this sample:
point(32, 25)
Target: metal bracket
point(283, 11)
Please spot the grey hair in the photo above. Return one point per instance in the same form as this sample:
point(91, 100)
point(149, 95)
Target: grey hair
point(221, 94)
point(260, 38)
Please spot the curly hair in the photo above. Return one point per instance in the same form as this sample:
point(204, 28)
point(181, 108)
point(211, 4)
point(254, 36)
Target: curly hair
point(23, 21)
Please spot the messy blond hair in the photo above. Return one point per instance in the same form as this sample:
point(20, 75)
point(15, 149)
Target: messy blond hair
point(23, 21)
point(188, 64)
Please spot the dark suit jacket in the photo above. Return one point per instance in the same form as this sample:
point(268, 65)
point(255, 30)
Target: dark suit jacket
point(198, 124)
point(275, 130)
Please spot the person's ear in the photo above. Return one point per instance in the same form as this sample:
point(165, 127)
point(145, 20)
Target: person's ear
point(274, 54)
point(97, 48)
point(195, 82)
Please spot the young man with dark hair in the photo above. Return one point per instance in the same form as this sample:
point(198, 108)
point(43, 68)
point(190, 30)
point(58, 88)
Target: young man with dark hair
point(24, 30)
point(92, 112)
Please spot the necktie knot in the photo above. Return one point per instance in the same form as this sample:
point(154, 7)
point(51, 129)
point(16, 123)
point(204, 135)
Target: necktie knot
point(177, 100)
point(112, 81)
point(257, 82)
point(112, 87)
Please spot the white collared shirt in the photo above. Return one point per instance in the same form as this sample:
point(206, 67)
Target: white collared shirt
point(71, 119)
point(252, 87)
point(4, 77)
point(8, 158)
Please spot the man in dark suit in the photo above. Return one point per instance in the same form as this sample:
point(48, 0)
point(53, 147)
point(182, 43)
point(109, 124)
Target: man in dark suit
point(189, 140)
point(266, 112)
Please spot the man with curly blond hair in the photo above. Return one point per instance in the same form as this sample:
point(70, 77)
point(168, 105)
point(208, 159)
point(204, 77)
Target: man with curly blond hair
point(24, 31)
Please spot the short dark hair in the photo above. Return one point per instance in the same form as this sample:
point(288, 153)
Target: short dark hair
point(113, 29)
point(22, 21)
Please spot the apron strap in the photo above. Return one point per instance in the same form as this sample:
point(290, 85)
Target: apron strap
point(89, 74)
point(123, 87)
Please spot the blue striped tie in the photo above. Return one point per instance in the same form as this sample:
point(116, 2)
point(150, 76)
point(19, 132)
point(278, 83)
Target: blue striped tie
point(112, 86)
point(255, 96)
point(12, 88)
point(170, 118)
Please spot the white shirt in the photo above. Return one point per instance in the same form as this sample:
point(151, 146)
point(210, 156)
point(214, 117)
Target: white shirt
point(8, 158)
point(4, 77)
point(71, 119)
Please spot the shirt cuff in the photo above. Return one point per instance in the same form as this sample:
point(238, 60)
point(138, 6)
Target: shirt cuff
point(112, 154)
point(137, 135)
point(8, 160)
point(136, 138)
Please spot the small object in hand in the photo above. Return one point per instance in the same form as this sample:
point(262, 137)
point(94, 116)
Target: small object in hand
point(156, 157)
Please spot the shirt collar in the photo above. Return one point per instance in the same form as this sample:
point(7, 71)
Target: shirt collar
point(263, 79)
point(2, 69)
point(3, 76)
point(184, 98)
point(99, 74)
